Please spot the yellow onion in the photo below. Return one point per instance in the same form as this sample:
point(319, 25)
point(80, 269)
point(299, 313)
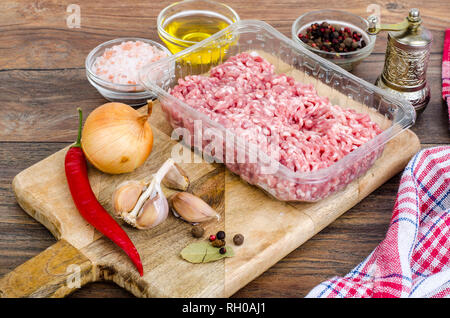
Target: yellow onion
point(116, 138)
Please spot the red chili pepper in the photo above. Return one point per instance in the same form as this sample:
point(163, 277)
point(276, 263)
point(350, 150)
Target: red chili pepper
point(87, 204)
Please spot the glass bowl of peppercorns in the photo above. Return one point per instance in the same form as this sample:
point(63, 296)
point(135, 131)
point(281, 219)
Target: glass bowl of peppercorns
point(336, 35)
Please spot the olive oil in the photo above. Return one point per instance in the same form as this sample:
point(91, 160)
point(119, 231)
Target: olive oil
point(189, 27)
point(195, 27)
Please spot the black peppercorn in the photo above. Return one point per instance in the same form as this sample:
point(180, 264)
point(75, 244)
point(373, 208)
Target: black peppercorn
point(220, 235)
point(223, 250)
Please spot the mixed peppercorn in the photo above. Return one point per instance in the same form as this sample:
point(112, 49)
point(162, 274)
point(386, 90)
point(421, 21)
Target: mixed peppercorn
point(329, 38)
point(197, 231)
point(217, 240)
point(238, 239)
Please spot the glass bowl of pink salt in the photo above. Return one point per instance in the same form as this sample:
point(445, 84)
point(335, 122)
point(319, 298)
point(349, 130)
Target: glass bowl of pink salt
point(113, 68)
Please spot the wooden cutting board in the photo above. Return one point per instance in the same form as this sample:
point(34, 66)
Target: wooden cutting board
point(272, 229)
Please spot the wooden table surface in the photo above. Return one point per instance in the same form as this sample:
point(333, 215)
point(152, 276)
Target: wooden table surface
point(42, 81)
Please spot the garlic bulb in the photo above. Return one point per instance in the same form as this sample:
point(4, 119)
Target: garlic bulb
point(191, 208)
point(116, 138)
point(143, 205)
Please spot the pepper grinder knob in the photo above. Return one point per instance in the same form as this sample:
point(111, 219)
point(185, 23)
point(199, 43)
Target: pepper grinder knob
point(414, 15)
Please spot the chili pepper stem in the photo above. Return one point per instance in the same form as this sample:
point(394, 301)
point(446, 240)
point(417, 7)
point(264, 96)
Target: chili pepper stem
point(80, 125)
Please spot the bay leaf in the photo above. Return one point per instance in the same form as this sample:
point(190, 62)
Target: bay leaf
point(195, 252)
point(213, 254)
point(204, 252)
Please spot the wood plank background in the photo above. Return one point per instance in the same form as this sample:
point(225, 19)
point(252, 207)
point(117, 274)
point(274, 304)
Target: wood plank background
point(42, 81)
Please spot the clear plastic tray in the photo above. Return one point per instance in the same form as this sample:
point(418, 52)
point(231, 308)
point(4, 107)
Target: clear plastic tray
point(342, 88)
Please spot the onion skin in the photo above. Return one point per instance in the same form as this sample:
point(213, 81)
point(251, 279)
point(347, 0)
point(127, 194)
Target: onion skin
point(116, 138)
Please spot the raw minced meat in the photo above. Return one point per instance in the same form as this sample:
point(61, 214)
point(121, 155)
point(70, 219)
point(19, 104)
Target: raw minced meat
point(285, 119)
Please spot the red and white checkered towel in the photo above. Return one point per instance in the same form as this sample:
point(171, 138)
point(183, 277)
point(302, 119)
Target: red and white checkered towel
point(414, 258)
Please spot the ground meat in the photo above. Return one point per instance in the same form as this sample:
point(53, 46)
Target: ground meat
point(285, 119)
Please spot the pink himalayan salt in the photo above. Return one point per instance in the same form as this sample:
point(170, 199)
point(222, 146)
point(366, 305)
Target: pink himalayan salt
point(120, 63)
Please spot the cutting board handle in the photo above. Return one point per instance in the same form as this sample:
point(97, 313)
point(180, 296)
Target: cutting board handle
point(56, 272)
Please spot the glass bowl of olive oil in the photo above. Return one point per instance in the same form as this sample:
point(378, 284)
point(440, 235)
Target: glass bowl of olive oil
point(183, 24)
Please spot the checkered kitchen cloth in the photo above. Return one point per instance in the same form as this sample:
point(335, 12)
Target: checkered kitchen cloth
point(414, 258)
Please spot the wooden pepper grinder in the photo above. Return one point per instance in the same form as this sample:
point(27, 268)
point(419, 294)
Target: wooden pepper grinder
point(407, 55)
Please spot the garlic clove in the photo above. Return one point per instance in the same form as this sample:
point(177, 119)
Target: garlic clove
point(191, 208)
point(153, 212)
point(126, 196)
point(176, 178)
